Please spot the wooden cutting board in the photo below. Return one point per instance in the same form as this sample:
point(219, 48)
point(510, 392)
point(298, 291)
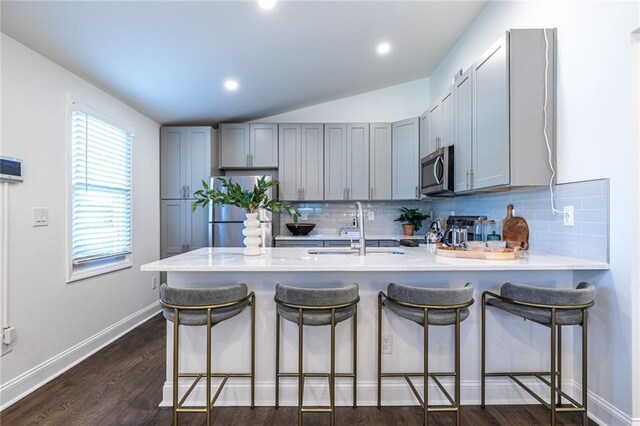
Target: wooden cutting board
point(507, 254)
point(515, 230)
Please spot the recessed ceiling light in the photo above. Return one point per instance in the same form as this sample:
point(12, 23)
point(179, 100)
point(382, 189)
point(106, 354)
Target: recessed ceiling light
point(231, 85)
point(266, 4)
point(383, 48)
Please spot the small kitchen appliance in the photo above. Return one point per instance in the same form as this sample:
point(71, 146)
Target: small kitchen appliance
point(436, 172)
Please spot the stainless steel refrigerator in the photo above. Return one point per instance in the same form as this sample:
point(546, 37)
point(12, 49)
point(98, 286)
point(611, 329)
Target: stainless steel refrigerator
point(226, 222)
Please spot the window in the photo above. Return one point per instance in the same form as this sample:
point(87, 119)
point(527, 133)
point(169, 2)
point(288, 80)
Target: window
point(101, 234)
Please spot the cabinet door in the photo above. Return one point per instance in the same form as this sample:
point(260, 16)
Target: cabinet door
point(448, 118)
point(358, 161)
point(263, 145)
point(300, 243)
point(172, 227)
point(380, 161)
point(197, 226)
point(462, 151)
point(424, 134)
point(289, 163)
point(198, 155)
point(491, 117)
point(312, 162)
point(234, 145)
point(405, 162)
point(335, 162)
point(172, 159)
point(435, 127)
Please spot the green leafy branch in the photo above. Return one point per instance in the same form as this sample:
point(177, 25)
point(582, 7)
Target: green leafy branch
point(250, 200)
point(411, 217)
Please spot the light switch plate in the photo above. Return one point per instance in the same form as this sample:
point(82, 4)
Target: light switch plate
point(40, 216)
point(371, 216)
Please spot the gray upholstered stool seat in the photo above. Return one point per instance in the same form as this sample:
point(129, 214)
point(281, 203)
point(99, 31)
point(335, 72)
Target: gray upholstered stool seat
point(316, 297)
point(428, 296)
point(203, 296)
point(583, 294)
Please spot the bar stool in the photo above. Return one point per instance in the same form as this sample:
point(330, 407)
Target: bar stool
point(553, 308)
point(317, 307)
point(208, 307)
point(440, 306)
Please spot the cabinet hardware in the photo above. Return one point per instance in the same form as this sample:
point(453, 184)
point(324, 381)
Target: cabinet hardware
point(187, 191)
point(302, 191)
point(371, 193)
point(472, 178)
point(247, 160)
point(250, 160)
point(348, 193)
point(468, 181)
point(417, 192)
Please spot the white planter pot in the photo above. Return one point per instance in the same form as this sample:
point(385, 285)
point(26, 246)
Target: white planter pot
point(252, 235)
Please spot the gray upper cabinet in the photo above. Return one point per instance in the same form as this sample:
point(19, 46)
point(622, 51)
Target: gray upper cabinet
point(424, 134)
point(380, 161)
point(448, 118)
point(335, 162)
point(463, 132)
point(435, 128)
point(185, 160)
point(301, 171)
point(312, 162)
point(405, 160)
point(358, 161)
point(491, 112)
point(263, 145)
point(248, 146)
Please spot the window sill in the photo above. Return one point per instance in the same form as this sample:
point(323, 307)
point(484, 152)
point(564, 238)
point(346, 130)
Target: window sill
point(99, 267)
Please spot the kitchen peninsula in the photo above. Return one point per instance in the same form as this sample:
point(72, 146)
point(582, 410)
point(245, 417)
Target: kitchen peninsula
point(209, 267)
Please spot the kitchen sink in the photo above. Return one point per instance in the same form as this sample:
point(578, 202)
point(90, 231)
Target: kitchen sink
point(352, 252)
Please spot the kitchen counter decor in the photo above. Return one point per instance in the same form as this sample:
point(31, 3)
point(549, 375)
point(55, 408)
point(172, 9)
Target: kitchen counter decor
point(251, 201)
point(411, 220)
point(483, 253)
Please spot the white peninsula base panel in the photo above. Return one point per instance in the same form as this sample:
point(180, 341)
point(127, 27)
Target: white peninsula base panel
point(512, 343)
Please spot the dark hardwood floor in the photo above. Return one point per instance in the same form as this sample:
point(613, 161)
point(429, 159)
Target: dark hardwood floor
point(121, 385)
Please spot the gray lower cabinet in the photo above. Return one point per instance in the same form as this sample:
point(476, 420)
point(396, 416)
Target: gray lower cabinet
point(380, 161)
point(463, 152)
point(181, 230)
point(332, 243)
point(245, 145)
point(405, 160)
point(346, 161)
point(388, 243)
point(301, 164)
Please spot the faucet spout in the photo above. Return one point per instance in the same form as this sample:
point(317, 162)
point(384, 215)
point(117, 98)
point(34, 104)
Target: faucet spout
point(362, 243)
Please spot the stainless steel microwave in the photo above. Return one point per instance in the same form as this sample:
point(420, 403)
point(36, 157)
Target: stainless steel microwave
point(436, 172)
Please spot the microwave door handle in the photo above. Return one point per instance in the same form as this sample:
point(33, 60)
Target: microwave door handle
point(435, 170)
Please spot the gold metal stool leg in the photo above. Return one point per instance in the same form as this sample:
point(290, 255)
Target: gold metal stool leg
point(300, 368)
point(253, 352)
point(176, 343)
point(208, 404)
point(277, 360)
point(457, 367)
point(483, 325)
point(585, 416)
point(355, 357)
point(379, 350)
point(426, 367)
point(332, 376)
point(559, 402)
point(553, 371)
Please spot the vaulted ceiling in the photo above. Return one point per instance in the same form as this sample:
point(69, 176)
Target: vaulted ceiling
point(169, 60)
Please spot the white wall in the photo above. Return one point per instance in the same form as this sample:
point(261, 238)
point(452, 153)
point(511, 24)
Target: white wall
point(594, 141)
point(389, 104)
point(51, 316)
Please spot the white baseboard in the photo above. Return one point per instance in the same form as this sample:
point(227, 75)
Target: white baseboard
point(21, 386)
point(604, 413)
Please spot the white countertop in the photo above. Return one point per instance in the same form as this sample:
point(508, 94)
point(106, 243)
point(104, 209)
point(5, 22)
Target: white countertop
point(325, 237)
point(218, 259)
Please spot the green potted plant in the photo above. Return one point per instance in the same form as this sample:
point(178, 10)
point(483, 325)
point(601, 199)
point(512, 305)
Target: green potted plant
point(250, 200)
point(411, 220)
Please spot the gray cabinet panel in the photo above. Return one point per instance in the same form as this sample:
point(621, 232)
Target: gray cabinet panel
point(172, 227)
point(301, 243)
point(405, 161)
point(289, 163)
point(358, 161)
point(312, 162)
point(424, 135)
point(198, 154)
point(172, 158)
point(491, 113)
point(388, 243)
point(263, 145)
point(448, 118)
point(380, 161)
point(234, 145)
point(337, 243)
point(435, 127)
point(463, 132)
point(197, 226)
point(335, 161)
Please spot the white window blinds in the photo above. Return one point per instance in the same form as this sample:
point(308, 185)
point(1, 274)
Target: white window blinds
point(101, 186)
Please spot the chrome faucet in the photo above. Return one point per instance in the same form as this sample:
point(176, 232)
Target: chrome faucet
point(361, 245)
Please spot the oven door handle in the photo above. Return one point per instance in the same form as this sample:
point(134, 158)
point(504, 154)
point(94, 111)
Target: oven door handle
point(435, 170)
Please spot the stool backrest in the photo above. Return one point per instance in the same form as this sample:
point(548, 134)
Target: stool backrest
point(430, 296)
point(201, 296)
point(316, 296)
point(583, 294)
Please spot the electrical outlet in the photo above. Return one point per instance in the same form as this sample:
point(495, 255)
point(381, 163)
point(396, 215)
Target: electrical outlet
point(371, 216)
point(40, 216)
point(8, 336)
point(154, 283)
point(387, 343)
point(303, 216)
point(567, 215)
